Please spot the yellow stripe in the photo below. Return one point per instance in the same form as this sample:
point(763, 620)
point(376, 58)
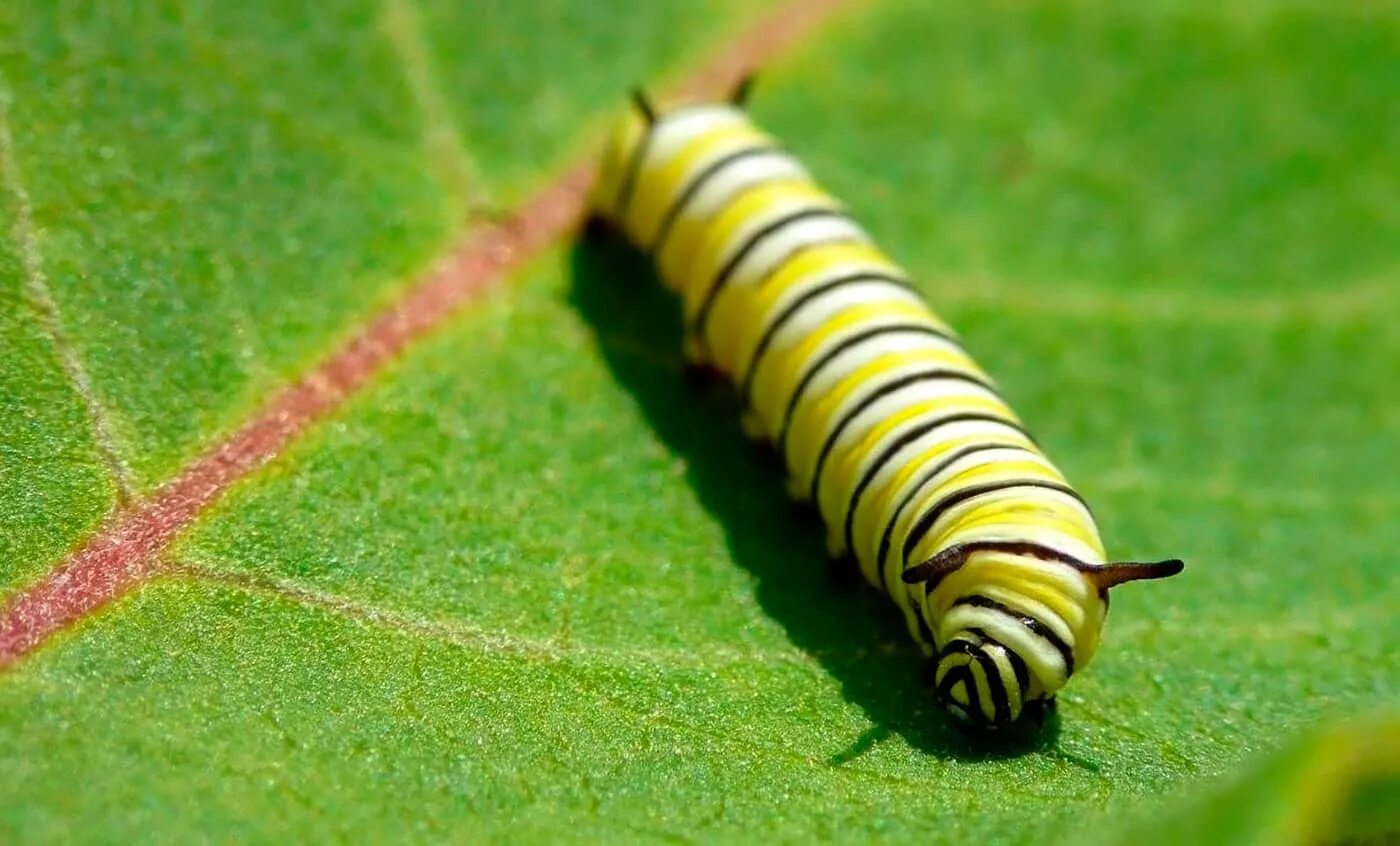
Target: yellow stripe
point(1043, 582)
point(984, 690)
point(686, 236)
point(813, 420)
point(1008, 680)
point(1015, 591)
point(694, 254)
point(845, 463)
point(1014, 509)
point(891, 298)
point(749, 324)
point(948, 664)
point(878, 500)
point(1051, 511)
point(781, 370)
point(818, 261)
point(1034, 469)
point(621, 148)
point(1001, 469)
point(662, 185)
point(1034, 502)
point(1025, 509)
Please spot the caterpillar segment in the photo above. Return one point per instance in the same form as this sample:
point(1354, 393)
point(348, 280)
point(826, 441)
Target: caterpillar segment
point(921, 471)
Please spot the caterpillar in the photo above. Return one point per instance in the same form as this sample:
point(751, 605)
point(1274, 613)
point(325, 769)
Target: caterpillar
point(921, 471)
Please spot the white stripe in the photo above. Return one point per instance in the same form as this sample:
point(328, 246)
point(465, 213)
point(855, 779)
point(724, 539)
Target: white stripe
point(817, 311)
point(773, 399)
point(895, 462)
point(880, 410)
point(672, 132)
point(1029, 607)
point(1008, 529)
point(1043, 659)
point(927, 441)
point(858, 355)
point(918, 504)
point(775, 248)
point(798, 325)
point(985, 457)
point(734, 179)
point(981, 430)
point(695, 278)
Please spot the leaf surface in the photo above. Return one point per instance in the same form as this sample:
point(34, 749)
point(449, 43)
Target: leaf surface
point(528, 583)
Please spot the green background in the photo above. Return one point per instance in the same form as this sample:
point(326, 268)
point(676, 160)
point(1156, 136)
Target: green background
point(530, 584)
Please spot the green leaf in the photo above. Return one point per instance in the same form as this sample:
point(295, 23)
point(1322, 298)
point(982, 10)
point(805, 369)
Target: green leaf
point(53, 483)
point(528, 583)
point(1336, 785)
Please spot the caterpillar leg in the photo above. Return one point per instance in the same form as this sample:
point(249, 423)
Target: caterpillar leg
point(798, 492)
point(693, 350)
point(843, 571)
point(753, 426)
point(928, 673)
point(699, 374)
point(597, 228)
point(1038, 711)
point(699, 371)
point(836, 545)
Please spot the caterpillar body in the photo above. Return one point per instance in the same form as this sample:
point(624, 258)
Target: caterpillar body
point(920, 470)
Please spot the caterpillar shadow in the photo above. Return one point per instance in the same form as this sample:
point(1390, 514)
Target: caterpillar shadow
point(856, 634)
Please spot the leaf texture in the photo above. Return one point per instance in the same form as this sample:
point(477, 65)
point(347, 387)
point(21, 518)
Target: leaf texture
point(526, 583)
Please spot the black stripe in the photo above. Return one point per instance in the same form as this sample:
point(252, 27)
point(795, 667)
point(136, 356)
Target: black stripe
point(904, 440)
point(973, 709)
point(843, 345)
point(996, 689)
point(1032, 624)
point(961, 495)
point(955, 675)
point(925, 631)
point(979, 633)
point(1015, 547)
point(628, 185)
point(884, 390)
point(1023, 674)
point(887, 537)
point(697, 326)
point(634, 165)
point(956, 646)
point(959, 645)
point(1018, 665)
point(678, 205)
point(746, 383)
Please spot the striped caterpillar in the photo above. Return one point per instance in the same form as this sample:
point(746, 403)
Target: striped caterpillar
point(920, 470)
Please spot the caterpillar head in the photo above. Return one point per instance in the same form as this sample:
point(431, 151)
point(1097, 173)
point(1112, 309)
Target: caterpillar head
point(1014, 621)
point(983, 683)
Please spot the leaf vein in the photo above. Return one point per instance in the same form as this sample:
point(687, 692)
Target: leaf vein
point(25, 235)
point(402, 26)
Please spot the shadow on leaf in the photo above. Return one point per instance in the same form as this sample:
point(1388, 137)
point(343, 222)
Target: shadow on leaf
point(854, 632)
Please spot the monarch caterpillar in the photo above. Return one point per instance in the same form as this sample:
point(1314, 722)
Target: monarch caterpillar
point(920, 470)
